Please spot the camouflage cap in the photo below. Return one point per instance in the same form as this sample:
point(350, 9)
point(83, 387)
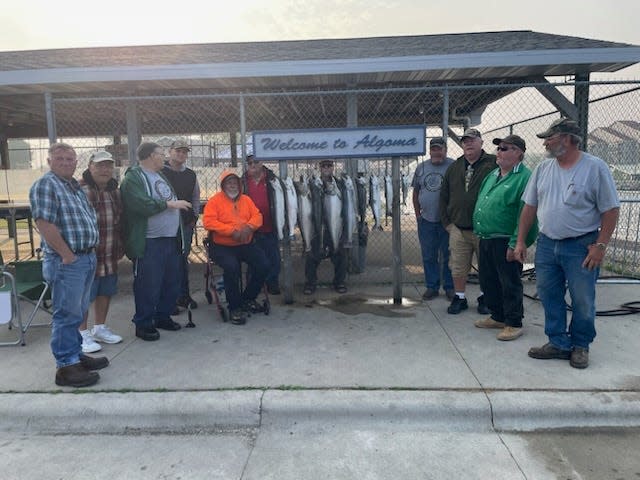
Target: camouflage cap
point(562, 125)
point(512, 140)
point(471, 133)
point(101, 156)
point(180, 143)
point(437, 142)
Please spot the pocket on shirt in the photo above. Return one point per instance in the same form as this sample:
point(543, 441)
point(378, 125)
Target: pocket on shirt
point(574, 195)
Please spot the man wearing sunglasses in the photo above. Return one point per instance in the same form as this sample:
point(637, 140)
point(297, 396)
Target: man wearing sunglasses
point(458, 196)
point(574, 198)
point(495, 222)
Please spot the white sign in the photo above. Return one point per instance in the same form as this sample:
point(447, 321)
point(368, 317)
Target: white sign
point(408, 140)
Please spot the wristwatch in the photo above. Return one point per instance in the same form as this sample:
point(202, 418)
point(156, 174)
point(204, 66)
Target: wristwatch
point(600, 246)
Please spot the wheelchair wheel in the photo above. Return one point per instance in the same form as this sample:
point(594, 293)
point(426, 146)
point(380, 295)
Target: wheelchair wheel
point(209, 297)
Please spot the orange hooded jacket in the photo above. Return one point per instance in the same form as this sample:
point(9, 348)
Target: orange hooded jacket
point(222, 216)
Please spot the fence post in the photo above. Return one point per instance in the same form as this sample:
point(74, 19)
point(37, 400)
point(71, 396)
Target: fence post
point(133, 132)
point(51, 118)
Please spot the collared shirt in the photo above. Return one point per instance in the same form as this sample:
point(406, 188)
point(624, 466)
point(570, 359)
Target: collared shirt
point(497, 210)
point(63, 203)
point(108, 207)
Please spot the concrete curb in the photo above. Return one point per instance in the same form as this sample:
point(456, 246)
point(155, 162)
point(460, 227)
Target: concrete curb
point(119, 413)
point(530, 411)
point(223, 411)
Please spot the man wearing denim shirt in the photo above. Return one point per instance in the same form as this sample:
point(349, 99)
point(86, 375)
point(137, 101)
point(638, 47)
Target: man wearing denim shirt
point(69, 229)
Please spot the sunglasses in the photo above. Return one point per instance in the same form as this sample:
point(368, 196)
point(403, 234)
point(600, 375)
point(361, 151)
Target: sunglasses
point(504, 149)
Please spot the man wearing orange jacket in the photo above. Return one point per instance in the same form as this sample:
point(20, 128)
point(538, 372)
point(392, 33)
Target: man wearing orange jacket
point(231, 218)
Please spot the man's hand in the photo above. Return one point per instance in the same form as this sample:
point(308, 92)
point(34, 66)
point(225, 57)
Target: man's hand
point(510, 255)
point(178, 204)
point(69, 259)
point(519, 253)
point(245, 233)
point(594, 257)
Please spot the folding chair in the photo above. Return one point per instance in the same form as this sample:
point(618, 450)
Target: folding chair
point(25, 281)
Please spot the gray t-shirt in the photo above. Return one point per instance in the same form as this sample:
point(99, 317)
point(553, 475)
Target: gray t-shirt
point(167, 222)
point(571, 201)
point(428, 180)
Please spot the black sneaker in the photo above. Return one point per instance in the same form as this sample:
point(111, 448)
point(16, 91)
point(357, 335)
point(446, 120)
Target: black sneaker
point(187, 302)
point(167, 324)
point(457, 305)
point(148, 334)
point(237, 317)
point(482, 307)
point(251, 306)
point(309, 289)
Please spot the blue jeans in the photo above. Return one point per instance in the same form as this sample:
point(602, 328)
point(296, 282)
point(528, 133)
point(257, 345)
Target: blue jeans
point(434, 243)
point(155, 288)
point(70, 287)
point(183, 264)
point(558, 266)
point(268, 243)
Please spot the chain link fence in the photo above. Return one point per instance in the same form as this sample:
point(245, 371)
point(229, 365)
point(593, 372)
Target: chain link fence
point(218, 128)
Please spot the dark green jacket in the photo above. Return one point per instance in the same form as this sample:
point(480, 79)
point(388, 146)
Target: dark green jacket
point(456, 202)
point(139, 205)
point(497, 212)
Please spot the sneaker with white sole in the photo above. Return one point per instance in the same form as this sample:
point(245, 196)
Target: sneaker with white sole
point(101, 333)
point(89, 344)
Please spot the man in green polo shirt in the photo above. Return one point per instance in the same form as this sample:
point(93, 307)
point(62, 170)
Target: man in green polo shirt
point(495, 222)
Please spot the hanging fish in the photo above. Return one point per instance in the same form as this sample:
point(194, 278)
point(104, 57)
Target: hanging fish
point(361, 188)
point(333, 212)
point(349, 209)
point(388, 195)
point(374, 201)
point(305, 212)
point(405, 188)
point(317, 195)
point(279, 207)
point(292, 205)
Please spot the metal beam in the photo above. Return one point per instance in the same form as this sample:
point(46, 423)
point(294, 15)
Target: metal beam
point(133, 132)
point(51, 118)
point(558, 100)
point(581, 99)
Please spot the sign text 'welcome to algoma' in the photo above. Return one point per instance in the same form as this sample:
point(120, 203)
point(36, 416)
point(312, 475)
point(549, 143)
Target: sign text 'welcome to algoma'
point(335, 143)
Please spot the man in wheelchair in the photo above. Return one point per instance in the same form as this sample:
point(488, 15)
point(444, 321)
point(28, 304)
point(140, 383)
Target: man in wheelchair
point(231, 219)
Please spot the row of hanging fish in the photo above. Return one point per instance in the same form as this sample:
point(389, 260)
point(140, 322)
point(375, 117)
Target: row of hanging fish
point(309, 205)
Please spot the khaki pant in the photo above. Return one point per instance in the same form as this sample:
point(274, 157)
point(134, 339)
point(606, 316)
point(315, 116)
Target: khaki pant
point(462, 245)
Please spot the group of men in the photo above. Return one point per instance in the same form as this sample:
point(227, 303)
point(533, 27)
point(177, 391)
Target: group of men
point(478, 204)
point(86, 228)
point(493, 206)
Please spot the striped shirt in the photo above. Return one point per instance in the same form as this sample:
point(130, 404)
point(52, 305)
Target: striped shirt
point(109, 210)
point(64, 204)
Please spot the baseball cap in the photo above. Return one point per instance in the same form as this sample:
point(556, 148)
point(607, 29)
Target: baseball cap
point(180, 143)
point(437, 142)
point(512, 140)
point(101, 156)
point(562, 125)
point(471, 133)
point(326, 162)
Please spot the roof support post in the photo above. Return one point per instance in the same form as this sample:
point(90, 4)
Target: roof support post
point(581, 99)
point(445, 111)
point(51, 118)
point(5, 163)
point(243, 133)
point(351, 164)
point(558, 100)
point(133, 131)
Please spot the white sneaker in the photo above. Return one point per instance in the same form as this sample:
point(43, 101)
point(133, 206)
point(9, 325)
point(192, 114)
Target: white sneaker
point(89, 344)
point(101, 333)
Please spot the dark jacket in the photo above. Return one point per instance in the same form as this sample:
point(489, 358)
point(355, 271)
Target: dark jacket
point(270, 175)
point(139, 205)
point(184, 184)
point(456, 202)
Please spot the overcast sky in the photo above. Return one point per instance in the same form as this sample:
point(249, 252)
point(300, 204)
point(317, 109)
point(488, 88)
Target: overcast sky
point(40, 24)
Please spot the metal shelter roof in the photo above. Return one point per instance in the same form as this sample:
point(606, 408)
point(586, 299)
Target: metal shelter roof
point(283, 66)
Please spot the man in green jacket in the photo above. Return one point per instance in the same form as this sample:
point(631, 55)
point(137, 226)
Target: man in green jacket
point(458, 196)
point(495, 222)
point(153, 241)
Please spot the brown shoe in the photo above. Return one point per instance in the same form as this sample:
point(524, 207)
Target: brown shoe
point(488, 323)
point(579, 357)
point(509, 333)
point(93, 363)
point(429, 294)
point(549, 351)
point(75, 375)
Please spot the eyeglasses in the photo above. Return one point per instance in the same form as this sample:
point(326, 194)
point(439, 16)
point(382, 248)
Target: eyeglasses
point(504, 149)
point(326, 165)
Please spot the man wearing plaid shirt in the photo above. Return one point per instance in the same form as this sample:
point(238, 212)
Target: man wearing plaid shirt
point(69, 232)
